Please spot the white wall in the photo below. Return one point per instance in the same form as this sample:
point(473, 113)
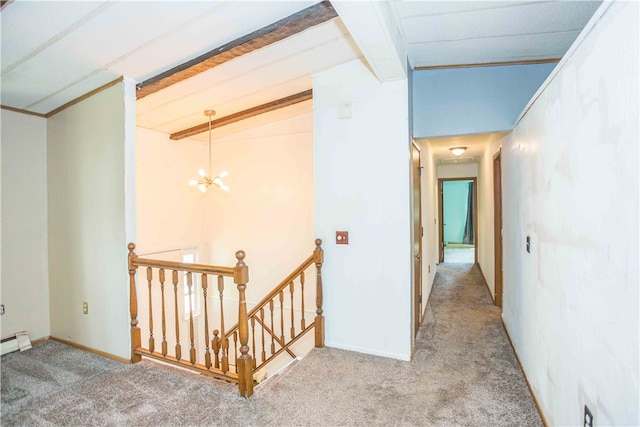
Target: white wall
point(571, 183)
point(269, 211)
point(459, 170)
point(25, 281)
point(486, 244)
point(90, 219)
point(429, 188)
point(362, 167)
point(170, 214)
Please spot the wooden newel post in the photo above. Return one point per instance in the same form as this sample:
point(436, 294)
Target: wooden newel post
point(245, 362)
point(318, 259)
point(136, 340)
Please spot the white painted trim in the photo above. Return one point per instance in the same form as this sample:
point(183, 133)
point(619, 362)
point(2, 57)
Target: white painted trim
point(368, 351)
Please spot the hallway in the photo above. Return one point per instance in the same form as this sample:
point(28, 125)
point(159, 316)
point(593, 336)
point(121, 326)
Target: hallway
point(463, 373)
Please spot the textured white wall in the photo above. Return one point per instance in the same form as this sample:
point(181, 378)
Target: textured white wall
point(25, 277)
point(486, 244)
point(362, 161)
point(89, 219)
point(571, 183)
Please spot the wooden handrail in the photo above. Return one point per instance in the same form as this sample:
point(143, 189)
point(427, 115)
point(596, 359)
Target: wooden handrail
point(316, 258)
point(264, 301)
point(240, 275)
point(252, 326)
point(193, 268)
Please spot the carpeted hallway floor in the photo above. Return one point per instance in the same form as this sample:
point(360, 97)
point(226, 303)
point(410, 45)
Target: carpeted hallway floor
point(464, 372)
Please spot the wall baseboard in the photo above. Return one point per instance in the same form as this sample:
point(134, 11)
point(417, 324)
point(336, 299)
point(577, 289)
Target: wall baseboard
point(484, 279)
point(526, 379)
point(426, 304)
point(40, 340)
point(91, 350)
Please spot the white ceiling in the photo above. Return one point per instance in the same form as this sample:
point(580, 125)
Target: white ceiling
point(475, 145)
point(476, 32)
point(53, 52)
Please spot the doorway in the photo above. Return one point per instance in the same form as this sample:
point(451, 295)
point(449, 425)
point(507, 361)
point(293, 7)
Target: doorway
point(458, 212)
point(497, 227)
point(417, 239)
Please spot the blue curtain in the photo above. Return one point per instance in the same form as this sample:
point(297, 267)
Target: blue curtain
point(467, 237)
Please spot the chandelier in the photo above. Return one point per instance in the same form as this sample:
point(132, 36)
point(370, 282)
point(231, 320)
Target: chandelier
point(204, 181)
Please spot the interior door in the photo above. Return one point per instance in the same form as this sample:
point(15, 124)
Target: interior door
point(497, 227)
point(440, 221)
point(417, 241)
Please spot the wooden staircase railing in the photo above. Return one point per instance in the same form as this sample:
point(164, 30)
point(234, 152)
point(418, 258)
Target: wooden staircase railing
point(252, 325)
point(275, 333)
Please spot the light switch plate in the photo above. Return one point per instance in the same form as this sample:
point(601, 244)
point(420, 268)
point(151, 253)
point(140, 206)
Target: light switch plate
point(342, 237)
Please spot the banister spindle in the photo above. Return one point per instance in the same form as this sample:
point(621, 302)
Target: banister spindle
point(215, 346)
point(281, 297)
point(207, 354)
point(253, 340)
point(152, 343)
point(136, 340)
point(264, 356)
point(235, 350)
point(223, 339)
point(164, 321)
point(302, 322)
point(174, 279)
point(192, 350)
point(273, 344)
point(293, 329)
point(245, 371)
point(318, 259)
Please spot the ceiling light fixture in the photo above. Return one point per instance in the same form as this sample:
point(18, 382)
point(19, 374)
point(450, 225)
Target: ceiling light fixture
point(457, 151)
point(204, 182)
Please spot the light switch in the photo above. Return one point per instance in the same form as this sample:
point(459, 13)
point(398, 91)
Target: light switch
point(342, 237)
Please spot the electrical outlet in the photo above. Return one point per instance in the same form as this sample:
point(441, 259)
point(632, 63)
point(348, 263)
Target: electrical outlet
point(588, 417)
point(85, 308)
point(1, 309)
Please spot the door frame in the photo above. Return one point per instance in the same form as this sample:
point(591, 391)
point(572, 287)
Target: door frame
point(417, 259)
point(497, 228)
point(441, 216)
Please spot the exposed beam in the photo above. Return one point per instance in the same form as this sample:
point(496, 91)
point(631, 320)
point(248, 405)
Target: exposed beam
point(293, 24)
point(244, 114)
point(374, 28)
point(489, 64)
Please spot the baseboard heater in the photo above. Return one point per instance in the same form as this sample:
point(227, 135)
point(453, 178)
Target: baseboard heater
point(18, 341)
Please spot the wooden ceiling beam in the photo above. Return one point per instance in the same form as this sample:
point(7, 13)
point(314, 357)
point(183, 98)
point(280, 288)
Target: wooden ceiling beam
point(244, 114)
point(293, 24)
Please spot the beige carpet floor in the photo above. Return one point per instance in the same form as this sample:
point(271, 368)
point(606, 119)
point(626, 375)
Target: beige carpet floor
point(464, 372)
point(455, 253)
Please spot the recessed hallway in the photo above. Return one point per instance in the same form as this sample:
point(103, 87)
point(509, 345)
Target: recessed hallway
point(463, 373)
